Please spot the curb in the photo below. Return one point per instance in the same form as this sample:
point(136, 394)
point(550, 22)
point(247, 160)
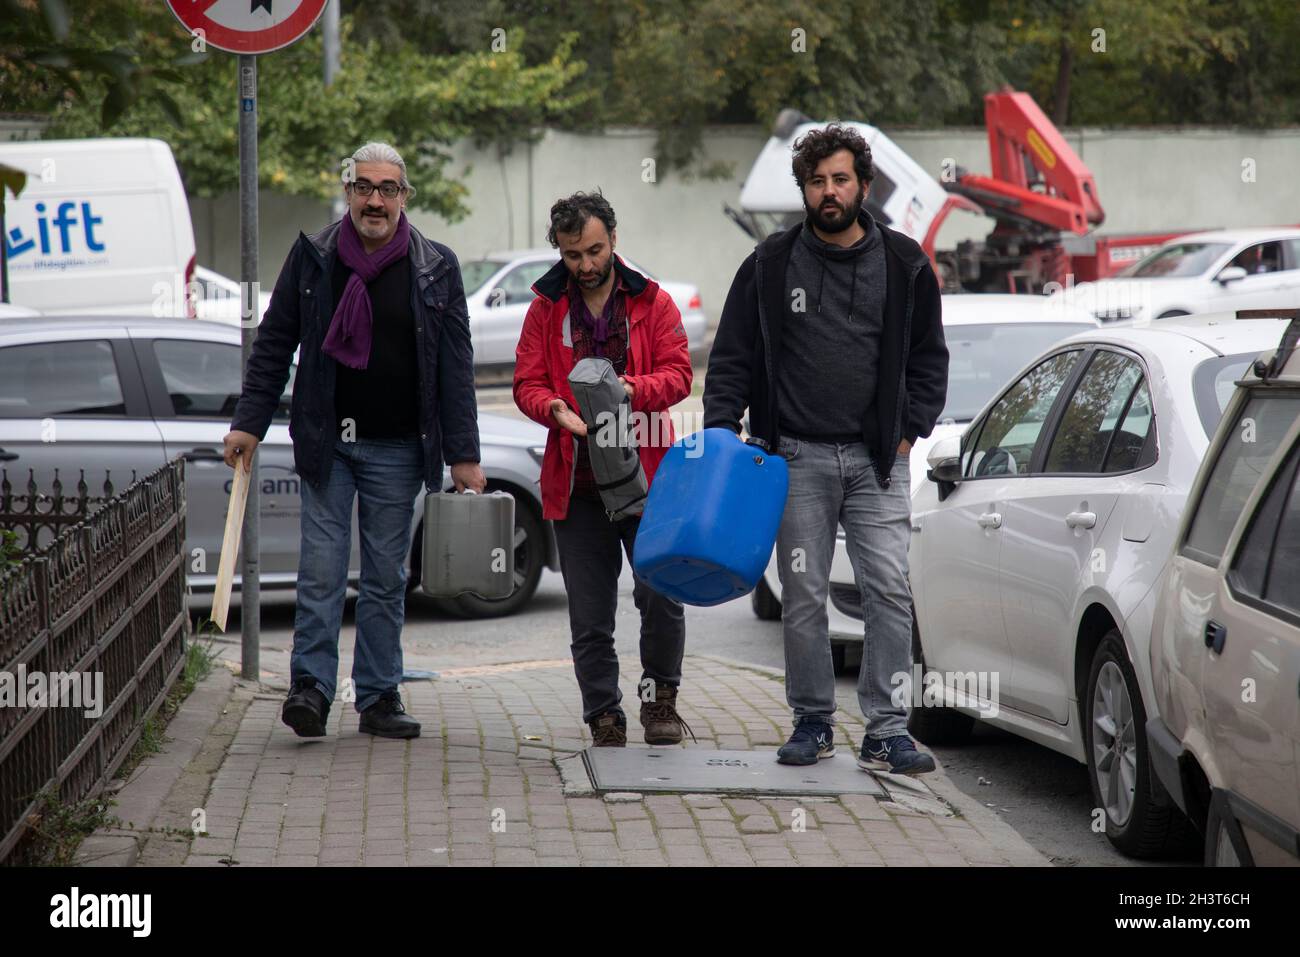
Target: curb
point(141, 798)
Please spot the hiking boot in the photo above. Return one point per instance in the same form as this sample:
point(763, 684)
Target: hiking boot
point(609, 730)
point(306, 709)
point(897, 754)
point(811, 741)
point(387, 718)
point(662, 723)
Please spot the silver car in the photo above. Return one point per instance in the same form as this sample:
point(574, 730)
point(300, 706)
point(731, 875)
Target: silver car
point(499, 290)
point(119, 395)
point(1225, 641)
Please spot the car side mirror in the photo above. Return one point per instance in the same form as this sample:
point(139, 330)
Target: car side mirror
point(1230, 274)
point(944, 461)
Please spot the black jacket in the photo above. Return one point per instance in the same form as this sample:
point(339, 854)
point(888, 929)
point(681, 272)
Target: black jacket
point(300, 313)
point(912, 381)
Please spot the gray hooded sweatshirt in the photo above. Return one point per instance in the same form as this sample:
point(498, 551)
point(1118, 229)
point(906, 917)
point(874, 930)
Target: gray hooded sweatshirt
point(827, 373)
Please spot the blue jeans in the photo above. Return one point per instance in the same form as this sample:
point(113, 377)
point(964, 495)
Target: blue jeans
point(383, 476)
point(834, 483)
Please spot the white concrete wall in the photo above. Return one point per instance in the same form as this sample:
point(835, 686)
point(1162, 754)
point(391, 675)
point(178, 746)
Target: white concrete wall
point(280, 218)
point(1148, 179)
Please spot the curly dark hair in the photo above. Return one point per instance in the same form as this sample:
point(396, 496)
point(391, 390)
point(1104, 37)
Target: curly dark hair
point(815, 145)
point(570, 215)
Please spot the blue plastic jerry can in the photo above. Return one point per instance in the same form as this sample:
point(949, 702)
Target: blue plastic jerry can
point(711, 518)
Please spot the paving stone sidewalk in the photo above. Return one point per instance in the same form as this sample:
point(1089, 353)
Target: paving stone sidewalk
point(482, 786)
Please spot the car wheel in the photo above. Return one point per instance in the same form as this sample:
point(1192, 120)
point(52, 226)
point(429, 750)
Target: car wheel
point(1173, 314)
point(530, 559)
point(839, 656)
point(1119, 766)
point(1221, 848)
point(936, 726)
point(765, 604)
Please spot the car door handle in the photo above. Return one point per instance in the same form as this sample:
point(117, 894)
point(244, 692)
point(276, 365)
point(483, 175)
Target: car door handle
point(1216, 635)
point(991, 520)
point(203, 455)
point(7, 456)
point(1081, 519)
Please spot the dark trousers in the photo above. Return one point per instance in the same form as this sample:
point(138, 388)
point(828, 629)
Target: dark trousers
point(591, 560)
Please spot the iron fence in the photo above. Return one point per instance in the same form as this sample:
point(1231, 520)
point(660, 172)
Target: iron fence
point(105, 599)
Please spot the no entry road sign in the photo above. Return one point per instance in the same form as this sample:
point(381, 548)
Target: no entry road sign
point(248, 26)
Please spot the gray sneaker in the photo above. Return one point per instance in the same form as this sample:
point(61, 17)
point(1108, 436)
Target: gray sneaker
point(897, 755)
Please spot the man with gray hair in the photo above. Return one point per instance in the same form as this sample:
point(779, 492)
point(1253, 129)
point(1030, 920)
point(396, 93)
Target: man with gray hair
point(384, 395)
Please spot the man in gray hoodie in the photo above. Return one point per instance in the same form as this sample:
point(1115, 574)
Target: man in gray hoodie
point(832, 337)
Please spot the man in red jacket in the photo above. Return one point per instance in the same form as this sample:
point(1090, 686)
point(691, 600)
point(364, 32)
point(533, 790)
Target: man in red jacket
point(591, 304)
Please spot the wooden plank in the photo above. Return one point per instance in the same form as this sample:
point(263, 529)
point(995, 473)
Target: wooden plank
point(230, 545)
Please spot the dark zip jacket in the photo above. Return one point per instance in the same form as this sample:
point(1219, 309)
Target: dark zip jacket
point(912, 374)
point(301, 309)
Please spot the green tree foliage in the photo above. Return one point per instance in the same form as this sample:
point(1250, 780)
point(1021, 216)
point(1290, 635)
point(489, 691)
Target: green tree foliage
point(104, 60)
point(427, 72)
point(418, 101)
point(1116, 62)
point(680, 65)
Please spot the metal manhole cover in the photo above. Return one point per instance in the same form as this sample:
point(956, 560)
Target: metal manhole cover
point(747, 772)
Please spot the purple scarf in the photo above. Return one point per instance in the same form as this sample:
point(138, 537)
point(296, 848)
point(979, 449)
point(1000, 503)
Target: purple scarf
point(601, 327)
point(350, 332)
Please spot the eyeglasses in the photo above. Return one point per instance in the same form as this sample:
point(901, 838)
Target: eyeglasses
point(364, 188)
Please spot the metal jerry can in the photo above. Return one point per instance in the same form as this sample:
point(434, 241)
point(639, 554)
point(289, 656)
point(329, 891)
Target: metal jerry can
point(615, 462)
point(469, 545)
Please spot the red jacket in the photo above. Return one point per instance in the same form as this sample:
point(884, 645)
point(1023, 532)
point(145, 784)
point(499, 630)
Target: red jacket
point(658, 366)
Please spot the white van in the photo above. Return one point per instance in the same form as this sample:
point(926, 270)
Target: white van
point(102, 226)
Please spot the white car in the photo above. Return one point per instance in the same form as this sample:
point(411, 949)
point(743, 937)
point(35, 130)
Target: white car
point(990, 337)
point(10, 311)
point(1227, 269)
point(499, 289)
point(220, 299)
point(1039, 543)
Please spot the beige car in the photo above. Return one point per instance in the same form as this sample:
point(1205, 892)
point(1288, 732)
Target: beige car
point(1225, 644)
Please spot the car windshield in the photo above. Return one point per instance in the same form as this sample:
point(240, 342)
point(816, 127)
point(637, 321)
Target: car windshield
point(982, 358)
point(1178, 259)
point(478, 271)
point(1213, 383)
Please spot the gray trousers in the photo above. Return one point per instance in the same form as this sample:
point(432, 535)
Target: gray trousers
point(591, 560)
point(834, 483)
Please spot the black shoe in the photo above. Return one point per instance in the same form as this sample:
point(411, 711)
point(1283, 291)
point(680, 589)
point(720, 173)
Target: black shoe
point(387, 718)
point(306, 709)
point(811, 741)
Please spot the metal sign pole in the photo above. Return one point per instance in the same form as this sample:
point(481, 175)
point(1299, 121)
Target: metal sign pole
point(4, 260)
point(250, 589)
